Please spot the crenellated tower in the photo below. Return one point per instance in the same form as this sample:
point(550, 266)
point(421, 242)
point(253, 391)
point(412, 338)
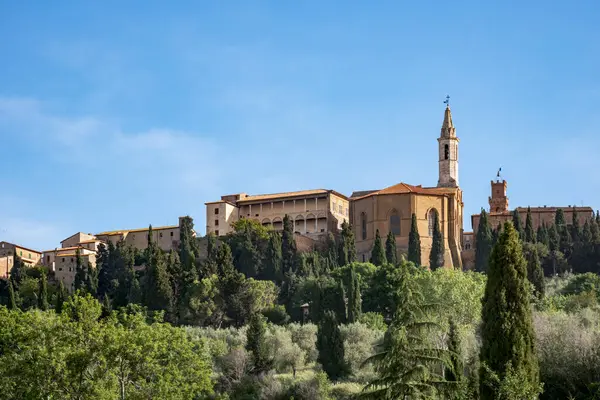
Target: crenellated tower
point(448, 152)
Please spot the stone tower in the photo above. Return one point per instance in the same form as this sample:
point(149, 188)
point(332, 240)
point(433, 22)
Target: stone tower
point(448, 152)
point(498, 200)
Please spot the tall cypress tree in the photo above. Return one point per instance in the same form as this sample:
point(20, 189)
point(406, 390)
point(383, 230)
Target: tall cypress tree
point(455, 369)
point(507, 323)
point(288, 246)
point(18, 272)
point(535, 274)
point(105, 268)
point(516, 218)
point(331, 347)
point(256, 344)
point(553, 238)
point(209, 266)
point(43, 293)
point(346, 248)
point(61, 297)
point(12, 302)
point(354, 299)
point(436, 255)
point(391, 253)
point(339, 303)
point(80, 273)
point(91, 280)
point(530, 235)
point(414, 242)
point(378, 253)
point(332, 251)
point(575, 227)
point(273, 259)
point(565, 243)
point(158, 292)
point(542, 234)
point(483, 243)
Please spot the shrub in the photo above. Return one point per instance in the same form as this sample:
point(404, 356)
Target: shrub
point(359, 344)
point(373, 320)
point(305, 336)
point(277, 315)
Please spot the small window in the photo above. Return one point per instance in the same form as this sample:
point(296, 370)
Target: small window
point(160, 234)
point(341, 209)
point(48, 258)
point(217, 232)
point(21, 252)
point(364, 258)
point(216, 211)
point(71, 259)
point(395, 224)
point(133, 236)
point(70, 270)
point(171, 234)
point(60, 269)
point(256, 215)
point(322, 230)
point(216, 222)
point(63, 259)
point(363, 225)
point(446, 152)
point(29, 255)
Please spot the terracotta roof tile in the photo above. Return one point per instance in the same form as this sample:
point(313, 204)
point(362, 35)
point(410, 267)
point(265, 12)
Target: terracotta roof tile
point(122, 231)
point(273, 196)
point(402, 188)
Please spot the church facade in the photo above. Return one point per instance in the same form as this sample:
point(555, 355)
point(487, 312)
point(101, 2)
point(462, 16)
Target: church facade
point(391, 209)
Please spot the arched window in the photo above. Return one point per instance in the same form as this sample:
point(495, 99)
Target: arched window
point(395, 223)
point(446, 152)
point(363, 225)
point(431, 220)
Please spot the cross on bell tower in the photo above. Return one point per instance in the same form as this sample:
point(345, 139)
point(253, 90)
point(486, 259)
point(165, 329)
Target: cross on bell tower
point(448, 151)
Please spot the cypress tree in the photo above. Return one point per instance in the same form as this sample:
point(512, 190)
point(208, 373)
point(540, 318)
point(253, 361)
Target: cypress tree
point(273, 259)
point(354, 299)
point(209, 266)
point(391, 254)
point(188, 251)
point(256, 344)
point(18, 272)
point(507, 326)
point(414, 242)
point(436, 255)
point(43, 293)
point(483, 243)
point(331, 347)
point(598, 218)
point(80, 274)
point(455, 369)
point(553, 238)
point(378, 253)
point(535, 274)
point(288, 246)
point(516, 218)
point(332, 251)
point(12, 302)
point(339, 303)
point(91, 280)
point(575, 227)
point(105, 268)
point(246, 257)
point(158, 292)
point(346, 248)
point(595, 230)
point(530, 235)
point(135, 291)
point(61, 297)
point(542, 235)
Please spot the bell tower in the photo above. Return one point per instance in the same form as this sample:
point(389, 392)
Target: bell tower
point(448, 151)
point(498, 200)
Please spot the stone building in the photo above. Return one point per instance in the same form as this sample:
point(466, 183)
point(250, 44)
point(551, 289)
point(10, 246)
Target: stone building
point(313, 212)
point(391, 209)
point(8, 251)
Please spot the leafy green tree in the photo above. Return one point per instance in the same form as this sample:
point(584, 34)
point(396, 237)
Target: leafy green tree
point(414, 242)
point(80, 271)
point(105, 266)
point(231, 285)
point(340, 303)
point(209, 266)
point(288, 246)
point(12, 302)
point(553, 238)
point(43, 293)
point(61, 297)
point(273, 259)
point(330, 345)
point(530, 235)
point(256, 344)
point(246, 256)
point(346, 247)
point(535, 274)
point(135, 295)
point(378, 252)
point(436, 255)
point(407, 364)
point(516, 219)
point(542, 235)
point(354, 298)
point(507, 326)
point(391, 253)
point(18, 272)
point(91, 280)
point(483, 243)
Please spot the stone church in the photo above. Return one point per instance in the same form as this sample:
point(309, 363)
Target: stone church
point(391, 209)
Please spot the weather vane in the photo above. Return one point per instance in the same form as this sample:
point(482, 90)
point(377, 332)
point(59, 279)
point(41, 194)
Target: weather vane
point(447, 101)
point(498, 174)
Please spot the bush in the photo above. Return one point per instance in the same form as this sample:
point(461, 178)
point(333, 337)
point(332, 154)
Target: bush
point(315, 388)
point(286, 354)
point(305, 336)
point(277, 315)
point(359, 344)
point(373, 320)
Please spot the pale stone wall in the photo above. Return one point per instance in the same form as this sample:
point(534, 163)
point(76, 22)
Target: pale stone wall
point(65, 267)
point(76, 239)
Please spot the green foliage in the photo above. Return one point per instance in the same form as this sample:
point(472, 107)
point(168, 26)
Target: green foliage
point(273, 259)
point(455, 369)
point(414, 242)
point(507, 331)
point(354, 298)
point(535, 275)
point(61, 297)
point(346, 246)
point(256, 345)
point(330, 345)
point(516, 220)
point(288, 246)
point(436, 255)
point(276, 315)
point(373, 321)
point(80, 271)
point(332, 251)
point(391, 253)
point(360, 343)
point(12, 302)
point(483, 243)
point(530, 234)
point(542, 235)
point(18, 272)
point(378, 252)
point(43, 293)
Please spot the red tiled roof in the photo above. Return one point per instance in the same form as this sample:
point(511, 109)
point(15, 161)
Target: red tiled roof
point(402, 188)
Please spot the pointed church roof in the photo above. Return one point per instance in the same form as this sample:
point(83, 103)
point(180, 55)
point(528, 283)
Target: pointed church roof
point(403, 188)
point(448, 129)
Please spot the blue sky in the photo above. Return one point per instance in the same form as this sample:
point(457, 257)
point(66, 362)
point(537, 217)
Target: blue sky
point(120, 114)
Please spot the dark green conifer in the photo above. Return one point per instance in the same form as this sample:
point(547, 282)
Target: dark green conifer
point(535, 274)
point(135, 291)
point(553, 238)
point(43, 293)
point(61, 297)
point(542, 235)
point(575, 227)
point(483, 243)
point(331, 347)
point(346, 246)
point(530, 235)
point(378, 252)
point(158, 294)
point(256, 344)
point(354, 299)
point(332, 251)
point(455, 368)
point(80, 271)
point(91, 280)
point(516, 218)
point(507, 326)
point(288, 246)
point(391, 254)
point(12, 302)
point(273, 259)
point(18, 272)
point(105, 266)
point(414, 242)
point(436, 255)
